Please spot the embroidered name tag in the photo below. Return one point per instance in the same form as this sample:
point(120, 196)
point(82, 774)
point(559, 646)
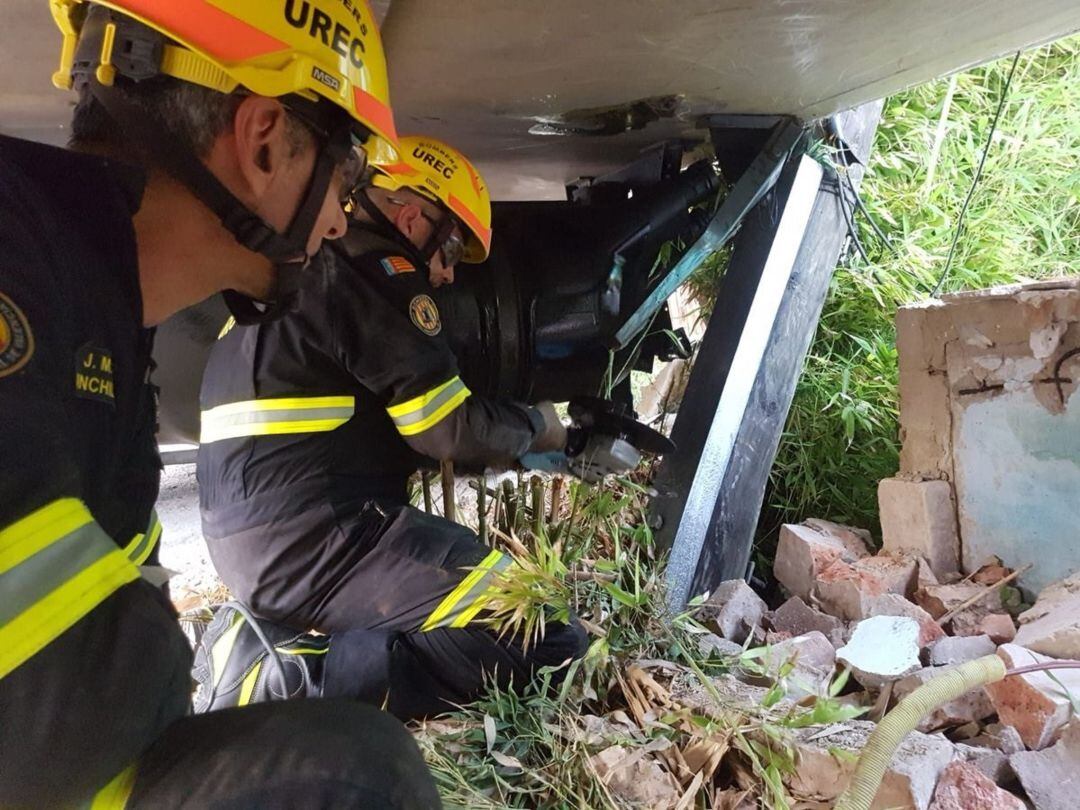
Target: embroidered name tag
point(94, 374)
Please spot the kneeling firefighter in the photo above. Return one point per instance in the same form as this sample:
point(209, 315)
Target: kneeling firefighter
point(311, 427)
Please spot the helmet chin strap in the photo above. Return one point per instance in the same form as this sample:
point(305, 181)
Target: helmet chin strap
point(386, 225)
point(440, 234)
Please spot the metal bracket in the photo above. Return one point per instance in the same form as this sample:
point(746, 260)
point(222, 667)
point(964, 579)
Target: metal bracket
point(745, 194)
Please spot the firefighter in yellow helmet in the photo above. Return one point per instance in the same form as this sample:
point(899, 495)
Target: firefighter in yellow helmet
point(439, 173)
point(211, 144)
point(311, 428)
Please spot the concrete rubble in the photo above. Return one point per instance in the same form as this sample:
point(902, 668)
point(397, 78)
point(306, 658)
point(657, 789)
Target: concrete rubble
point(1052, 625)
point(962, 786)
point(882, 649)
point(1000, 627)
point(734, 611)
point(991, 762)
point(988, 417)
point(812, 660)
point(938, 600)
point(711, 645)
point(951, 650)
point(843, 589)
point(796, 618)
point(1051, 778)
point(919, 517)
point(1036, 704)
point(891, 604)
point(805, 550)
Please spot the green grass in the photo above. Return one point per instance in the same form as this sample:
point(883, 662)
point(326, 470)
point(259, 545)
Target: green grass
point(1023, 223)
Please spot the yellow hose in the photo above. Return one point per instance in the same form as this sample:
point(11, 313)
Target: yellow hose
point(897, 724)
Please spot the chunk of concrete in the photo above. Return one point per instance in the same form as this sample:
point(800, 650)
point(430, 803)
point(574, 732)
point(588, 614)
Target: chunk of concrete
point(711, 645)
point(962, 786)
point(882, 649)
point(919, 517)
point(952, 650)
point(843, 589)
point(813, 659)
point(925, 574)
point(1051, 778)
point(821, 773)
point(734, 611)
point(972, 622)
point(805, 549)
point(999, 737)
point(993, 764)
point(1051, 597)
point(937, 600)
point(1000, 627)
point(1056, 630)
point(1037, 705)
point(892, 604)
point(797, 618)
point(968, 708)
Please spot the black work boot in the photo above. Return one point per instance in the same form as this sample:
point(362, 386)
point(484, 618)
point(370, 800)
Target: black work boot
point(234, 666)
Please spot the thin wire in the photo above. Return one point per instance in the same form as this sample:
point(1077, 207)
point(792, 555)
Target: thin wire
point(978, 174)
point(861, 206)
point(1046, 665)
point(849, 218)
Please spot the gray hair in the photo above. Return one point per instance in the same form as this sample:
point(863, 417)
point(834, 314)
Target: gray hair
point(194, 115)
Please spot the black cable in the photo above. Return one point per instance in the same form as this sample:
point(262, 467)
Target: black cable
point(849, 218)
point(861, 206)
point(975, 179)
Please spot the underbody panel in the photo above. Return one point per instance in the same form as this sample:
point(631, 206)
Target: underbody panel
point(542, 93)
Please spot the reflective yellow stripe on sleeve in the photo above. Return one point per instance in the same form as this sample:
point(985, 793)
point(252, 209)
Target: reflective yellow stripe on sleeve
point(466, 600)
point(275, 417)
point(56, 565)
point(427, 410)
point(142, 544)
point(114, 796)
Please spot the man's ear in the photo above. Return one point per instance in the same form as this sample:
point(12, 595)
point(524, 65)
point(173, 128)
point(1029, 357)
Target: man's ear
point(408, 219)
point(259, 132)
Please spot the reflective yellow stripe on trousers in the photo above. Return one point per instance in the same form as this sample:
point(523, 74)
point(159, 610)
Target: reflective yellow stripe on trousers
point(427, 410)
point(275, 417)
point(56, 565)
point(466, 600)
point(114, 795)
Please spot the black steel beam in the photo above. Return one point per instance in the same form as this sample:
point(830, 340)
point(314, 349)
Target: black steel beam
point(737, 399)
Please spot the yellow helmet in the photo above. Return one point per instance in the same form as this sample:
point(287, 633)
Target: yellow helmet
point(440, 172)
point(315, 49)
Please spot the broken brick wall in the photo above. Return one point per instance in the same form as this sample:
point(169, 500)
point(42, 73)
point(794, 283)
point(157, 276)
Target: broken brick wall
point(986, 403)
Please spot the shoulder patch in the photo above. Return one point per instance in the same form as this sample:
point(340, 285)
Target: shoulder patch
point(425, 315)
point(16, 339)
point(396, 265)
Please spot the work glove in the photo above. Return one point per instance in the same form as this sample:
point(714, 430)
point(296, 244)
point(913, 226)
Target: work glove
point(588, 456)
point(553, 436)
